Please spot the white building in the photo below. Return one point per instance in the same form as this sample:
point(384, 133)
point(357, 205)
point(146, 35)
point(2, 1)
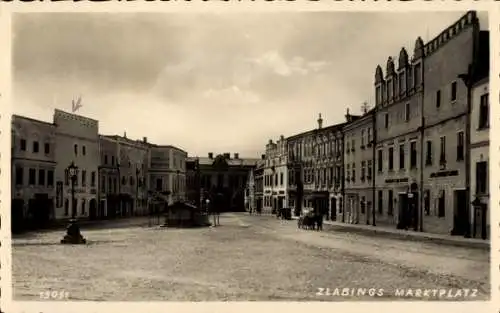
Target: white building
point(479, 154)
point(77, 141)
point(275, 176)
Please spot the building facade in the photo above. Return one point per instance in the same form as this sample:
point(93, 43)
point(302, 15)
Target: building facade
point(124, 169)
point(358, 164)
point(167, 171)
point(33, 164)
point(315, 164)
point(275, 176)
point(479, 154)
point(77, 143)
point(224, 175)
point(446, 177)
point(258, 174)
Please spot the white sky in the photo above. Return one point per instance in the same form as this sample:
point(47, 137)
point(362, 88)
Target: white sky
point(209, 82)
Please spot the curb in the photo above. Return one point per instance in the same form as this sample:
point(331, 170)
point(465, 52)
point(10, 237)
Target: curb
point(485, 245)
point(422, 237)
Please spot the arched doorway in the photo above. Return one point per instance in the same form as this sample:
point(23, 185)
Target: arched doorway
point(93, 209)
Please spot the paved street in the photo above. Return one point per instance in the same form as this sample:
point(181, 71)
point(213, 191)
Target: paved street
point(246, 258)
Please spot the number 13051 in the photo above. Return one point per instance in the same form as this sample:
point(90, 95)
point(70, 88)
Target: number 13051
point(54, 295)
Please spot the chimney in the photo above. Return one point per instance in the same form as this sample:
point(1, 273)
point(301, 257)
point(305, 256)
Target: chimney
point(348, 115)
point(210, 155)
point(282, 137)
point(263, 156)
point(145, 139)
point(227, 155)
point(236, 155)
point(125, 134)
point(270, 141)
point(320, 122)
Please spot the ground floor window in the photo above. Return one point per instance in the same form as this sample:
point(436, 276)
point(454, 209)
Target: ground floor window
point(390, 202)
point(363, 205)
point(380, 201)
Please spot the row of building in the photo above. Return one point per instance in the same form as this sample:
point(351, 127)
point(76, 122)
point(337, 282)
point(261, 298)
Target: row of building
point(115, 175)
point(418, 159)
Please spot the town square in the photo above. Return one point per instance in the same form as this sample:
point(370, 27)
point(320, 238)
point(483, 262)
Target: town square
point(252, 158)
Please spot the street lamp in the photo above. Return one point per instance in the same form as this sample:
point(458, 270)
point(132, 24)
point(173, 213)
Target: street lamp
point(137, 171)
point(73, 172)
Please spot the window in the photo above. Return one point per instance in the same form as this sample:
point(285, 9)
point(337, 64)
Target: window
point(380, 160)
point(347, 150)
point(124, 180)
point(348, 172)
point(481, 177)
point(378, 94)
point(281, 179)
point(75, 149)
point(391, 158)
point(363, 206)
point(83, 206)
point(84, 150)
point(131, 181)
point(112, 160)
point(402, 156)
point(369, 131)
point(390, 203)
point(41, 177)
point(427, 202)
point(23, 144)
point(380, 201)
point(407, 112)
point(386, 120)
point(84, 178)
point(363, 170)
point(460, 146)
point(353, 145)
point(105, 159)
point(110, 185)
point(442, 154)
point(32, 176)
point(353, 178)
point(115, 185)
point(66, 177)
point(66, 207)
point(47, 148)
point(92, 179)
point(369, 170)
point(103, 184)
point(441, 204)
point(417, 75)
point(413, 154)
point(438, 99)
point(362, 139)
point(428, 156)
point(19, 175)
point(159, 184)
point(453, 95)
point(36, 147)
point(484, 108)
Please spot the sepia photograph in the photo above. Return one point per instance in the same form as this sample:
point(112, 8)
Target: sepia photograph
point(276, 156)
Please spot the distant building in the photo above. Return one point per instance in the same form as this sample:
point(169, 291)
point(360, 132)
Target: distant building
point(258, 175)
point(221, 174)
point(276, 176)
point(124, 163)
point(167, 171)
point(33, 184)
point(77, 142)
point(358, 164)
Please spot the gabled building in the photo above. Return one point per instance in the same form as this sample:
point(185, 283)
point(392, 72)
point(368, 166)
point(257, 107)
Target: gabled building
point(275, 176)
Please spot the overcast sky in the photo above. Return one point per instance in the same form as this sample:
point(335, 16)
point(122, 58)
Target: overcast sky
point(208, 82)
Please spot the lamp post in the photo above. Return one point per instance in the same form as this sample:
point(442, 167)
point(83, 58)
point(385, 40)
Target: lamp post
point(119, 189)
point(137, 171)
point(73, 172)
point(467, 79)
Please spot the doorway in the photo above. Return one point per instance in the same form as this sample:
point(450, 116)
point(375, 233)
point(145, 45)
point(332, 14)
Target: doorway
point(17, 215)
point(403, 215)
point(333, 209)
point(93, 209)
point(460, 216)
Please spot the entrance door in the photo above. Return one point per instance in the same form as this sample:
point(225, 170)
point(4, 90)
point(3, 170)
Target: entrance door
point(17, 215)
point(403, 211)
point(93, 209)
point(461, 216)
point(333, 209)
